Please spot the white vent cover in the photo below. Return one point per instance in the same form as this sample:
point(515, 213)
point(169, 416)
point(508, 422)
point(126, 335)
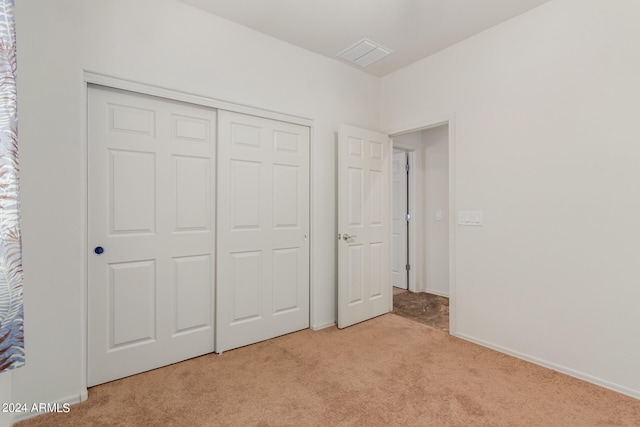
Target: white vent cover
point(364, 53)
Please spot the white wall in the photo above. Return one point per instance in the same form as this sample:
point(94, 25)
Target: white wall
point(547, 146)
point(435, 152)
point(546, 109)
point(167, 44)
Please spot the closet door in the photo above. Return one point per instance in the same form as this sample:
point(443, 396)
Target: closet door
point(150, 232)
point(263, 229)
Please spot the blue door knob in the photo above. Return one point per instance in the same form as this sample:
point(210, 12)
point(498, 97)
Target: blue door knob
point(98, 250)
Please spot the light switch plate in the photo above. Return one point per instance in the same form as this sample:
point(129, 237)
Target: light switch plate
point(470, 218)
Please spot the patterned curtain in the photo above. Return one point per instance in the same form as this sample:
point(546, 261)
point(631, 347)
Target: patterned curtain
point(11, 311)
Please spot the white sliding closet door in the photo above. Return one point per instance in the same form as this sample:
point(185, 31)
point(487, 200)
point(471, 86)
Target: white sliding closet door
point(263, 229)
point(150, 232)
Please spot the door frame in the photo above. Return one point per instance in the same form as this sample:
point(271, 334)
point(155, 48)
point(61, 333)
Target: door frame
point(419, 125)
point(91, 78)
point(411, 259)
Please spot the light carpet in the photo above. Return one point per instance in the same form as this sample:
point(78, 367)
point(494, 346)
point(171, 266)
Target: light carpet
point(388, 371)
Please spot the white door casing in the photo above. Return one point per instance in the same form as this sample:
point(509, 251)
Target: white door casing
point(263, 229)
point(151, 208)
point(364, 225)
point(399, 237)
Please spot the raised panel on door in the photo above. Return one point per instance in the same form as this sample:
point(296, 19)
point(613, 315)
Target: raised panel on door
point(364, 224)
point(355, 201)
point(131, 303)
point(286, 190)
point(151, 193)
point(287, 266)
point(376, 199)
point(355, 278)
point(246, 286)
point(263, 229)
point(191, 192)
point(244, 204)
point(192, 288)
point(131, 120)
point(188, 129)
point(377, 273)
point(132, 191)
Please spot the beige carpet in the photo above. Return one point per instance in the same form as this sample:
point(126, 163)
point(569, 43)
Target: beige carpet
point(388, 371)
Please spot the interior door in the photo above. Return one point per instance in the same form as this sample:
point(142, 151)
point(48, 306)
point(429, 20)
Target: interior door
point(150, 232)
point(364, 224)
point(399, 237)
point(263, 229)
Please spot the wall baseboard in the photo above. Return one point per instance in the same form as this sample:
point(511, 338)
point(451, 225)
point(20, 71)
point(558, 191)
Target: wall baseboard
point(434, 292)
point(70, 401)
point(559, 368)
point(323, 326)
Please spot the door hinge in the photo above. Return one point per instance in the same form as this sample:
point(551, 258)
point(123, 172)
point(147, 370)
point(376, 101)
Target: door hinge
point(406, 167)
point(407, 217)
point(408, 267)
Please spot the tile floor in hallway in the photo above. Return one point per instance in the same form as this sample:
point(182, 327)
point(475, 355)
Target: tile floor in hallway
point(430, 309)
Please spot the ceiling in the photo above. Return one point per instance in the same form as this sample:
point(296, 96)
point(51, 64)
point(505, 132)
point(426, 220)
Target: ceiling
point(412, 29)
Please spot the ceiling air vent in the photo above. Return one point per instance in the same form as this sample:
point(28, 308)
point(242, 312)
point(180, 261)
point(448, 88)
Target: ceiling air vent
point(364, 53)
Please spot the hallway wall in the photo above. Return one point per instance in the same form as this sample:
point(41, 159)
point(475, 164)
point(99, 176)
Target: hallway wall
point(435, 143)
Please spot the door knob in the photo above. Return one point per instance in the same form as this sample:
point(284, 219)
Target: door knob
point(346, 236)
point(98, 250)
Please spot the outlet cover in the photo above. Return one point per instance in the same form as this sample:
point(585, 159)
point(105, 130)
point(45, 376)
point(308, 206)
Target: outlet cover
point(470, 218)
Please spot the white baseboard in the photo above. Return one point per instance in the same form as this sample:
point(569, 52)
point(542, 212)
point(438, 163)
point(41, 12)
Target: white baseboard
point(70, 401)
point(439, 293)
point(563, 369)
point(323, 326)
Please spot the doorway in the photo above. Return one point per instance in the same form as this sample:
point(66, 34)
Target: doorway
point(365, 158)
point(428, 223)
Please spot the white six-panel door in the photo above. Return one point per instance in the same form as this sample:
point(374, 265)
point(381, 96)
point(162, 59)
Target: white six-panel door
point(150, 232)
point(399, 259)
point(364, 225)
point(263, 229)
